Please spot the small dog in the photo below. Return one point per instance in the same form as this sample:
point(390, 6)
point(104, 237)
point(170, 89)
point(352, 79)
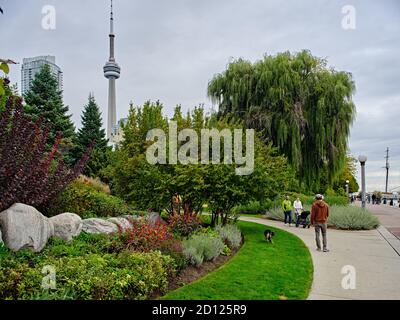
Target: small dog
point(268, 234)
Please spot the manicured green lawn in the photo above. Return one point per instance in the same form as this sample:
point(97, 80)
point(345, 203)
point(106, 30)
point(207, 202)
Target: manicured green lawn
point(258, 271)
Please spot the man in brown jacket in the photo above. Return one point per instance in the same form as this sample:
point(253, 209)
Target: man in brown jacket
point(319, 218)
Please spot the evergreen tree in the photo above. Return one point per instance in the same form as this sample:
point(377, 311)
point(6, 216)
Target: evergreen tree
point(45, 100)
point(90, 132)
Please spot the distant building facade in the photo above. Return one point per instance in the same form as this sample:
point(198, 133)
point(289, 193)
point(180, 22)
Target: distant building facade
point(31, 66)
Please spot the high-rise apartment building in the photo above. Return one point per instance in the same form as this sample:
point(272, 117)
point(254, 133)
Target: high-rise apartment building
point(31, 66)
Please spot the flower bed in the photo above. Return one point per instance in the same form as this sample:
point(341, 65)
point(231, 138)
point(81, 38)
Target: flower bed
point(136, 263)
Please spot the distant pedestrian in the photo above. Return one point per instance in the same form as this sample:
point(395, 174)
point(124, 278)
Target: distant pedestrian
point(319, 218)
point(287, 210)
point(298, 209)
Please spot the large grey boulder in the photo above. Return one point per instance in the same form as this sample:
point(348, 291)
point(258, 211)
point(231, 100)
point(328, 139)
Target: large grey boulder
point(95, 225)
point(154, 219)
point(132, 218)
point(25, 227)
point(122, 223)
point(67, 225)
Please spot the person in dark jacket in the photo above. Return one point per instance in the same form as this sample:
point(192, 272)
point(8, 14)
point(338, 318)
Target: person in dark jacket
point(319, 218)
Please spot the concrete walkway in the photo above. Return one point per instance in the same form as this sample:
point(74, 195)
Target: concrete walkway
point(388, 216)
point(376, 263)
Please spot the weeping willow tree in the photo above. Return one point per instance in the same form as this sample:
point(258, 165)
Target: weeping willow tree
point(304, 107)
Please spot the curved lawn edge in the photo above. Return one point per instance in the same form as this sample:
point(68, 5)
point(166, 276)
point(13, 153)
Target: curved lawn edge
point(258, 271)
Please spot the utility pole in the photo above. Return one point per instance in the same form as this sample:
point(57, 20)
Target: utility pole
point(387, 169)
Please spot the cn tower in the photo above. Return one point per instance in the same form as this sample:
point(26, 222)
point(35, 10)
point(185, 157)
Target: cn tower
point(111, 72)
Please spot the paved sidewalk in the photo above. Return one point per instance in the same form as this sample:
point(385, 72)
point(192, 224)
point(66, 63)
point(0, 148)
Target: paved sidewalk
point(388, 217)
point(376, 263)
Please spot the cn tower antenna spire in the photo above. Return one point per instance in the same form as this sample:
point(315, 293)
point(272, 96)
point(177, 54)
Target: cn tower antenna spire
point(112, 19)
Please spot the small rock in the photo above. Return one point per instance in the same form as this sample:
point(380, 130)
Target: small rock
point(154, 219)
point(67, 225)
point(95, 225)
point(122, 223)
point(25, 227)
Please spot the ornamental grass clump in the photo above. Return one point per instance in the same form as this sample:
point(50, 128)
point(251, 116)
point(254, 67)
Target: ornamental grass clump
point(193, 256)
point(231, 234)
point(352, 218)
point(275, 214)
point(202, 247)
point(340, 217)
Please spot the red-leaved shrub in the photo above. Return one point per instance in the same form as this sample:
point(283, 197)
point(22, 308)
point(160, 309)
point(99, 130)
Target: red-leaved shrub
point(144, 237)
point(185, 224)
point(28, 173)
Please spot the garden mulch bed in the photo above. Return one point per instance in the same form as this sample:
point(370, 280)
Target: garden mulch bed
point(192, 273)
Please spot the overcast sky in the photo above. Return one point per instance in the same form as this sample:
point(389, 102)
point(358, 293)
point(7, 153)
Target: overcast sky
point(169, 50)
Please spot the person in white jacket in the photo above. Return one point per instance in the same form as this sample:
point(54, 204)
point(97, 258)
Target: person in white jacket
point(298, 209)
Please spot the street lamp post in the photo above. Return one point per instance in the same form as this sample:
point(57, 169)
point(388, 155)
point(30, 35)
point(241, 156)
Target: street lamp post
point(362, 160)
point(347, 188)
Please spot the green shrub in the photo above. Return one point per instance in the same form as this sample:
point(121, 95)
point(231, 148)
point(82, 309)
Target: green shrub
point(53, 295)
point(86, 201)
point(231, 234)
point(179, 258)
point(4, 252)
point(352, 218)
point(140, 213)
point(174, 249)
point(83, 244)
point(340, 217)
point(308, 200)
point(208, 231)
point(127, 275)
point(253, 207)
point(227, 251)
point(202, 247)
